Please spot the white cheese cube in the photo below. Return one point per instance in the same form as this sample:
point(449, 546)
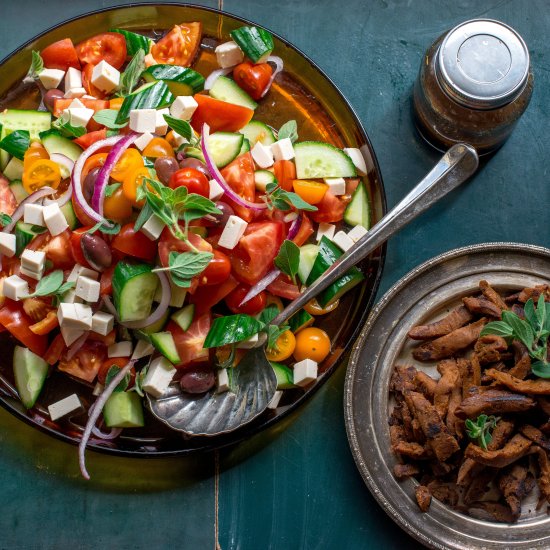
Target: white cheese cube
point(305, 372)
point(79, 116)
point(87, 289)
point(120, 349)
point(159, 375)
point(75, 92)
point(143, 120)
point(76, 104)
point(64, 407)
point(337, 186)
point(34, 214)
point(143, 140)
point(54, 219)
point(87, 96)
point(71, 335)
point(142, 349)
point(249, 343)
point(183, 107)
point(342, 240)
point(325, 230)
point(75, 316)
point(15, 288)
point(216, 190)
point(274, 403)
point(357, 158)
point(222, 381)
point(105, 77)
point(102, 322)
point(51, 78)
point(14, 169)
point(79, 270)
point(153, 227)
point(161, 126)
point(282, 149)
point(179, 140)
point(229, 54)
point(98, 389)
point(84, 316)
point(36, 275)
point(70, 297)
point(73, 78)
point(262, 155)
point(232, 232)
point(7, 244)
point(357, 233)
point(33, 260)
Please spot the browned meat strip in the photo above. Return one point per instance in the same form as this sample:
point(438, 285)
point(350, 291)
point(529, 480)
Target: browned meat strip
point(488, 349)
point(403, 447)
point(522, 366)
point(480, 484)
point(493, 402)
point(489, 510)
point(444, 492)
point(476, 370)
point(455, 319)
point(423, 497)
point(536, 436)
point(439, 439)
point(455, 424)
point(544, 476)
point(517, 447)
point(534, 293)
point(450, 377)
point(425, 384)
point(492, 295)
point(482, 306)
point(532, 387)
point(544, 404)
point(403, 471)
point(402, 378)
point(448, 345)
point(515, 484)
point(467, 375)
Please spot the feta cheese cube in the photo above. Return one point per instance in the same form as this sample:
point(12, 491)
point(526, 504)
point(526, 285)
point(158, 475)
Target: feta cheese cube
point(179, 140)
point(305, 372)
point(143, 140)
point(262, 155)
point(222, 381)
point(274, 403)
point(249, 343)
point(229, 54)
point(325, 230)
point(153, 227)
point(357, 158)
point(70, 297)
point(34, 214)
point(142, 349)
point(79, 270)
point(54, 219)
point(105, 77)
point(51, 78)
point(33, 260)
point(161, 126)
point(216, 190)
point(232, 232)
point(342, 240)
point(76, 104)
point(77, 316)
point(98, 389)
point(143, 120)
point(87, 289)
point(71, 335)
point(7, 244)
point(75, 92)
point(357, 233)
point(73, 78)
point(66, 406)
point(36, 275)
point(120, 349)
point(84, 315)
point(183, 107)
point(337, 186)
point(102, 322)
point(15, 288)
point(159, 375)
point(79, 116)
point(282, 149)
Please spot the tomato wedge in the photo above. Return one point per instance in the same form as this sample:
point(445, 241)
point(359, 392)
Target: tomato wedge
point(179, 46)
point(283, 288)
point(219, 115)
point(239, 175)
point(86, 362)
point(60, 55)
point(90, 138)
point(330, 210)
point(8, 202)
point(108, 46)
point(190, 343)
point(57, 249)
point(285, 172)
point(95, 104)
point(135, 243)
point(13, 318)
point(305, 231)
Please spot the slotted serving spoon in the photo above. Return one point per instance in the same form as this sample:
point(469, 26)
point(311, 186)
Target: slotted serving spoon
point(213, 413)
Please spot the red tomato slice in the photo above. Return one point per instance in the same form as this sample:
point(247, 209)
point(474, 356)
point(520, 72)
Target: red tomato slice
point(8, 202)
point(285, 172)
point(16, 321)
point(283, 288)
point(60, 55)
point(330, 209)
point(135, 243)
point(108, 46)
point(179, 46)
point(87, 361)
point(206, 297)
point(253, 257)
point(219, 115)
point(90, 138)
point(57, 248)
point(239, 175)
point(106, 281)
point(305, 231)
point(190, 343)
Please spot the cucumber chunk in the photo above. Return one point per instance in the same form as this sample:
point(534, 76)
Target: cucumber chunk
point(164, 342)
point(262, 178)
point(184, 317)
point(285, 376)
point(135, 42)
point(315, 159)
point(123, 410)
point(156, 327)
point(256, 131)
point(301, 319)
point(54, 142)
point(245, 147)
point(20, 119)
point(358, 210)
point(70, 216)
point(14, 169)
point(134, 287)
point(227, 90)
point(308, 253)
point(180, 80)
point(24, 234)
point(16, 187)
point(152, 95)
point(30, 373)
point(255, 42)
point(224, 147)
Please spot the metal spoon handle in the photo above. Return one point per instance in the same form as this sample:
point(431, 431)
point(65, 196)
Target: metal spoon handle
point(454, 167)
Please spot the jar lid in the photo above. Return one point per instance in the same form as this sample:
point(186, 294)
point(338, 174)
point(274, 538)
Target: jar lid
point(483, 64)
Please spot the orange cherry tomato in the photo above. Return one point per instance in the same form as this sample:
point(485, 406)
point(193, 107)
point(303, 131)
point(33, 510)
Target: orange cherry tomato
point(36, 151)
point(284, 347)
point(41, 173)
point(130, 161)
point(116, 103)
point(311, 191)
point(132, 182)
point(313, 307)
point(117, 207)
point(312, 343)
point(95, 161)
point(253, 79)
point(158, 147)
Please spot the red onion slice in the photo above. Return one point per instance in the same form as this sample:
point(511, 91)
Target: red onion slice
point(213, 76)
point(278, 62)
point(63, 160)
point(20, 210)
point(113, 434)
point(63, 199)
point(213, 169)
point(262, 284)
point(294, 228)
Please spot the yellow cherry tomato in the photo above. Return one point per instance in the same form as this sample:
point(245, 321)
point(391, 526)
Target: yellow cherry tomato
point(41, 173)
point(158, 147)
point(131, 183)
point(36, 151)
point(116, 103)
point(283, 347)
point(311, 191)
point(117, 207)
point(312, 343)
point(128, 163)
point(313, 307)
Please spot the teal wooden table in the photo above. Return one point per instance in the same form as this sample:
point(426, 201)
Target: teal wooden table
point(296, 487)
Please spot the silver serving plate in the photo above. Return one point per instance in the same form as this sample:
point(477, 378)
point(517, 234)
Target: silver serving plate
point(423, 295)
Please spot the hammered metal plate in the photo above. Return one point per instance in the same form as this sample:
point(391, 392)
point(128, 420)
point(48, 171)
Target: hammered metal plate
point(424, 295)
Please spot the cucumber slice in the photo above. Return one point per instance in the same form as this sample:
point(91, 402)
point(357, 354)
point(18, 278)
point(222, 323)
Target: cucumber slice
point(24, 234)
point(135, 41)
point(14, 169)
point(195, 153)
point(152, 95)
point(123, 410)
point(54, 142)
point(180, 80)
point(308, 253)
point(70, 216)
point(262, 178)
point(224, 147)
point(315, 159)
point(134, 287)
point(358, 210)
point(301, 319)
point(245, 147)
point(285, 376)
point(164, 342)
point(16, 187)
point(228, 90)
point(19, 119)
point(255, 42)
point(256, 131)
point(30, 373)
point(184, 317)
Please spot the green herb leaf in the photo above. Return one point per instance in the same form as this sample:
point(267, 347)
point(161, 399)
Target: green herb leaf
point(107, 117)
point(288, 259)
point(541, 369)
point(111, 133)
point(16, 143)
point(288, 130)
point(144, 215)
point(183, 266)
point(284, 200)
point(138, 384)
point(130, 77)
point(268, 314)
point(481, 429)
point(111, 373)
point(230, 329)
point(111, 188)
point(37, 65)
point(51, 284)
point(273, 333)
point(181, 127)
point(522, 329)
point(67, 130)
point(498, 328)
point(5, 219)
point(112, 229)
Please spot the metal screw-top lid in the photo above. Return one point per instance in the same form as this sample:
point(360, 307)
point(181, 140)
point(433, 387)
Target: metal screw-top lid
point(483, 64)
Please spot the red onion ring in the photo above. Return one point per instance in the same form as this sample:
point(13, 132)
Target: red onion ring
point(20, 210)
point(113, 434)
point(262, 284)
point(295, 227)
point(64, 198)
point(278, 62)
point(213, 169)
point(213, 76)
point(76, 345)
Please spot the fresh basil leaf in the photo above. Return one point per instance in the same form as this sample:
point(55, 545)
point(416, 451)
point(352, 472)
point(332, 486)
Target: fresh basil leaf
point(497, 328)
point(281, 204)
point(288, 130)
point(268, 314)
point(107, 117)
point(181, 127)
point(288, 259)
point(547, 316)
point(541, 369)
point(144, 215)
point(37, 65)
point(111, 133)
point(16, 143)
point(65, 287)
point(185, 265)
point(522, 329)
point(271, 186)
point(530, 314)
point(111, 373)
point(49, 284)
point(540, 313)
point(130, 77)
point(111, 188)
point(5, 219)
point(230, 329)
point(112, 229)
point(67, 130)
point(273, 333)
point(299, 203)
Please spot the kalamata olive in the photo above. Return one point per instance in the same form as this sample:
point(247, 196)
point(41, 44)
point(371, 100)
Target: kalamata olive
point(165, 167)
point(50, 96)
point(221, 219)
point(89, 184)
point(196, 164)
point(198, 380)
point(96, 251)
